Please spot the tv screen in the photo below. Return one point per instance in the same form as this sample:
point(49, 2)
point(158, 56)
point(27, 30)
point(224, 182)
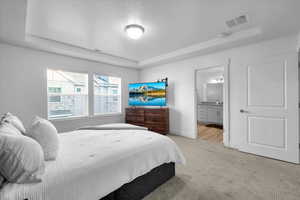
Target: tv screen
point(147, 94)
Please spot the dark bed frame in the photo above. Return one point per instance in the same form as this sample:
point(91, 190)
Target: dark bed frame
point(143, 185)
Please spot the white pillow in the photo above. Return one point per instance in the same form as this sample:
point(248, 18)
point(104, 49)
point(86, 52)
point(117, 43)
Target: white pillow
point(14, 120)
point(46, 135)
point(7, 128)
point(21, 158)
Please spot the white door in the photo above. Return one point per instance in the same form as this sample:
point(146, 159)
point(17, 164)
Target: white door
point(269, 108)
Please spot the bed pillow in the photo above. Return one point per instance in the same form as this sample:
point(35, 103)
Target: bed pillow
point(14, 120)
point(8, 128)
point(21, 158)
point(44, 132)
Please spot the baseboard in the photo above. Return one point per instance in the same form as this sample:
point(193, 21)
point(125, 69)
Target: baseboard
point(182, 133)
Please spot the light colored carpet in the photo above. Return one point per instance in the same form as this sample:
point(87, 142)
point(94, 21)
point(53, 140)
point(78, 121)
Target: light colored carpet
point(217, 173)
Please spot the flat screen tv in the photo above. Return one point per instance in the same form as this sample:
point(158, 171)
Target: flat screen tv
point(147, 94)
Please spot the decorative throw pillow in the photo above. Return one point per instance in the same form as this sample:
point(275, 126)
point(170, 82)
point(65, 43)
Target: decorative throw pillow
point(7, 128)
point(15, 121)
point(44, 132)
point(21, 158)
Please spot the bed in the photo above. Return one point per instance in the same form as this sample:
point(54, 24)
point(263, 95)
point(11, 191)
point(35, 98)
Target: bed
point(103, 164)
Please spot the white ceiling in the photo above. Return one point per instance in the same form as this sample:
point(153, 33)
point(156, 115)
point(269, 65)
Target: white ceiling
point(170, 24)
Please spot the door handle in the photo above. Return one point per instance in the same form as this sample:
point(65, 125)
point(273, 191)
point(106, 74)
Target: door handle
point(244, 111)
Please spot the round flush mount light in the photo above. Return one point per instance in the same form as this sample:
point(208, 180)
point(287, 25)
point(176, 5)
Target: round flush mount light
point(134, 31)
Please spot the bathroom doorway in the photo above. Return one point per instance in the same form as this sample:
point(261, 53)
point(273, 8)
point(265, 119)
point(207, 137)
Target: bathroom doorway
point(210, 109)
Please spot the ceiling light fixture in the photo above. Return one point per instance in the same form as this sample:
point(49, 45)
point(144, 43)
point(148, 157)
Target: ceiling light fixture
point(134, 31)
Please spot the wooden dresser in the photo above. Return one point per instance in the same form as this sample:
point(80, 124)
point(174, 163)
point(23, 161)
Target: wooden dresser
point(155, 119)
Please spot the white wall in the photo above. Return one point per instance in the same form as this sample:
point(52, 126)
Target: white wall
point(12, 19)
point(298, 42)
point(181, 76)
point(23, 89)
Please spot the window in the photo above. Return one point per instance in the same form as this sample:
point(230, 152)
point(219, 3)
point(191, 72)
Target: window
point(67, 94)
point(54, 90)
point(107, 94)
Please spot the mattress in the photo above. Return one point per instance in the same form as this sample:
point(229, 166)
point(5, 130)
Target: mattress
point(93, 163)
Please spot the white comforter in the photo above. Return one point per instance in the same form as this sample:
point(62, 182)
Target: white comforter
point(114, 126)
point(93, 163)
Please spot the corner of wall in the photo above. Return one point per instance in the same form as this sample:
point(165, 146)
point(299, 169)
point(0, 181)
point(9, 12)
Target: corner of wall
point(139, 70)
point(298, 42)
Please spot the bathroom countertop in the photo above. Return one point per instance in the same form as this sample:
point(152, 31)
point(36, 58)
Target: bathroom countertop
point(207, 103)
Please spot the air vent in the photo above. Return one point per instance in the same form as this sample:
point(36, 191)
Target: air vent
point(231, 23)
point(241, 19)
point(237, 21)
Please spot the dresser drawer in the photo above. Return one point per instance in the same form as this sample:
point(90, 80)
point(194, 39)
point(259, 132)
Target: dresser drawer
point(156, 111)
point(132, 118)
point(134, 111)
point(156, 120)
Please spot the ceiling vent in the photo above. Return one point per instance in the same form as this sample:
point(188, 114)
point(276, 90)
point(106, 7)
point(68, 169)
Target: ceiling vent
point(240, 20)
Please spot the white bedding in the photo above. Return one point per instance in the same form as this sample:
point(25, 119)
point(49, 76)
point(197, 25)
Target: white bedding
point(93, 163)
point(114, 126)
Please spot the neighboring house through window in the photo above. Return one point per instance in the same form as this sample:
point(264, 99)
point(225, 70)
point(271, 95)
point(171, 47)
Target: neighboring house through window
point(67, 94)
point(54, 89)
point(107, 94)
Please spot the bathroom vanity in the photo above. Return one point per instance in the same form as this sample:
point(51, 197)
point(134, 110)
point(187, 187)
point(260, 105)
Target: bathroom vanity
point(210, 113)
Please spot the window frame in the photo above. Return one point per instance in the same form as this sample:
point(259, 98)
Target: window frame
point(87, 115)
point(93, 96)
